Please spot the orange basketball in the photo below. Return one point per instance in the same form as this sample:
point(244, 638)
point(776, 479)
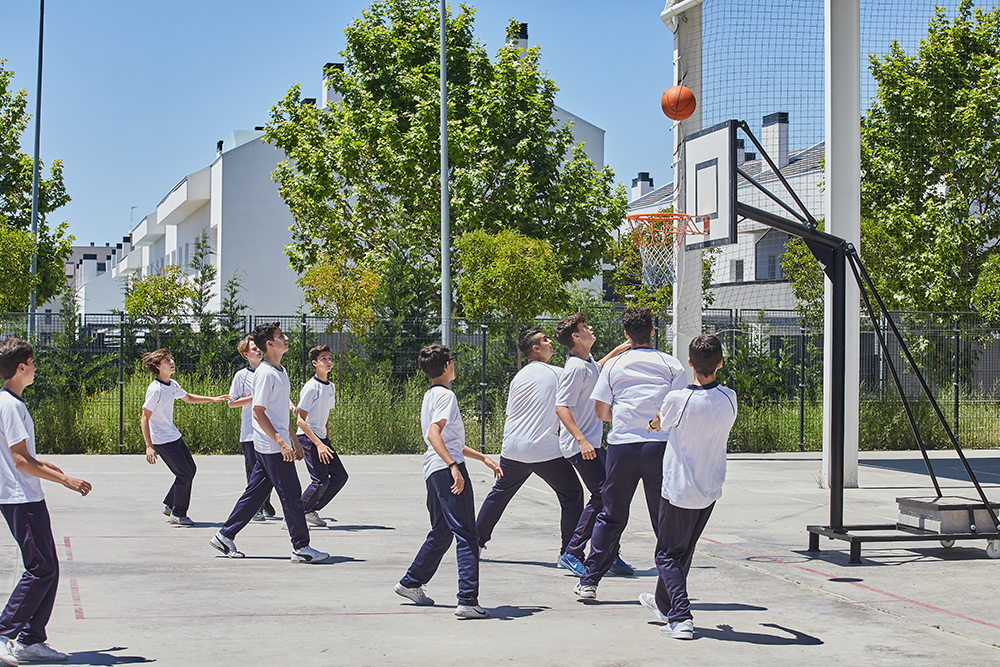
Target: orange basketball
point(678, 102)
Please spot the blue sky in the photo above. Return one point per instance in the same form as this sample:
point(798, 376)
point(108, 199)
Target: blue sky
point(136, 94)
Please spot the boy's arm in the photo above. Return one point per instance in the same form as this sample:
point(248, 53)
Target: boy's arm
point(194, 398)
point(566, 417)
point(144, 423)
point(325, 453)
point(470, 453)
point(26, 463)
point(289, 452)
point(240, 402)
point(654, 424)
point(603, 411)
point(614, 353)
point(437, 443)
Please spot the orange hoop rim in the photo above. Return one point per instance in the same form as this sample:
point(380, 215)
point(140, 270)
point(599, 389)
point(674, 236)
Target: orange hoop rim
point(655, 228)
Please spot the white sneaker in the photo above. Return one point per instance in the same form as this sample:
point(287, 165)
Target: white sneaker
point(284, 526)
point(585, 592)
point(226, 546)
point(679, 629)
point(648, 600)
point(167, 511)
point(40, 652)
point(312, 518)
point(259, 516)
point(6, 657)
point(471, 611)
point(416, 594)
point(180, 520)
point(308, 555)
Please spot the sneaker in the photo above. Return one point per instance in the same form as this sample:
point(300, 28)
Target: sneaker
point(471, 611)
point(40, 652)
point(167, 510)
point(585, 591)
point(621, 568)
point(6, 657)
point(308, 555)
point(284, 526)
point(312, 518)
point(648, 600)
point(416, 594)
point(226, 546)
point(268, 509)
point(679, 629)
point(180, 520)
point(259, 516)
point(571, 563)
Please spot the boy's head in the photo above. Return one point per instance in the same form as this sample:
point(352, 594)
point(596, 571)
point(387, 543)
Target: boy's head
point(244, 347)
point(433, 359)
point(638, 325)
point(572, 324)
point(266, 333)
point(13, 353)
point(320, 353)
point(534, 344)
point(152, 360)
point(705, 354)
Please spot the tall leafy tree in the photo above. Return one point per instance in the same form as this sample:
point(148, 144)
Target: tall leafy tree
point(159, 297)
point(54, 242)
point(203, 278)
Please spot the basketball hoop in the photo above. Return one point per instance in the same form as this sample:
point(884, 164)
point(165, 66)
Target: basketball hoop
point(658, 235)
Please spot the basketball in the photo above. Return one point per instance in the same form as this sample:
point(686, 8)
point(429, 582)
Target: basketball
point(678, 102)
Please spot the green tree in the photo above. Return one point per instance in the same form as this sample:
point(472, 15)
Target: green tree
point(158, 297)
point(203, 282)
point(369, 166)
point(18, 249)
point(54, 244)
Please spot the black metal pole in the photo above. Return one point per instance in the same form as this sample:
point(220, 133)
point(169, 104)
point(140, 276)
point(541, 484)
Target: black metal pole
point(305, 359)
point(656, 332)
point(957, 372)
point(121, 383)
point(839, 365)
point(482, 389)
point(32, 324)
point(802, 387)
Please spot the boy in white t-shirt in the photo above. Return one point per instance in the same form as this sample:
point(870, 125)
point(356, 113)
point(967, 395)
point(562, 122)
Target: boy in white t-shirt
point(23, 620)
point(629, 390)
point(581, 433)
point(531, 442)
point(697, 421)
point(327, 474)
point(241, 396)
point(162, 437)
point(450, 501)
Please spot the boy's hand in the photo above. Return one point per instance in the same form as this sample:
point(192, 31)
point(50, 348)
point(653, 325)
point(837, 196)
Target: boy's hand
point(150, 455)
point(459, 484)
point(654, 424)
point(325, 453)
point(587, 450)
point(299, 452)
point(80, 486)
point(492, 465)
point(287, 453)
point(221, 399)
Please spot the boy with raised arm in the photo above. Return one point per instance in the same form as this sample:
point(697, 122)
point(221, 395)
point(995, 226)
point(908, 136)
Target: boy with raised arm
point(580, 437)
point(326, 472)
point(276, 454)
point(629, 390)
point(696, 421)
point(241, 396)
point(23, 620)
point(162, 437)
point(450, 501)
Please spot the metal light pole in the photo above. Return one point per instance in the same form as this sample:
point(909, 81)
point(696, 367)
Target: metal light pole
point(34, 174)
point(445, 203)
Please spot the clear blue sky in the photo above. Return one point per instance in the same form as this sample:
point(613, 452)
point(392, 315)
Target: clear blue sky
point(136, 94)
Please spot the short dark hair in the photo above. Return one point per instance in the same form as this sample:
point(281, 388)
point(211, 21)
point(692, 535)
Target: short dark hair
point(263, 333)
point(433, 358)
point(13, 353)
point(568, 326)
point(526, 340)
point(151, 360)
point(316, 351)
point(705, 353)
point(638, 324)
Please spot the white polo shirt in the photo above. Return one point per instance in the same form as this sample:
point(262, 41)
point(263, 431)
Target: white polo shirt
point(440, 403)
point(697, 421)
point(160, 397)
point(575, 386)
point(271, 389)
point(241, 387)
point(531, 431)
point(634, 384)
point(317, 398)
point(16, 487)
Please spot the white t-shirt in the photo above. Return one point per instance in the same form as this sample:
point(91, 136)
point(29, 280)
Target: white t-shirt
point(697, 421)
point(271, 388)
point(575, 386)
point(317, 398)
point(160, 397)
point(634, 384)
point(440, 403)
point(16, 487)
point(531, 432)
point(241, 387)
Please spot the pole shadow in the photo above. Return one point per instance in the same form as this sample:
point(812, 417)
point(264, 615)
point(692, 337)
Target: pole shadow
point(726, 633)
point(104, 657)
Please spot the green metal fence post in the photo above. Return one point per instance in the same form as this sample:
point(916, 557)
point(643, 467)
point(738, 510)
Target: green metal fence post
point(121, 383)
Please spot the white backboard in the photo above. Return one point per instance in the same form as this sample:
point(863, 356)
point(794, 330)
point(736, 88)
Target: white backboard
point(710, 184)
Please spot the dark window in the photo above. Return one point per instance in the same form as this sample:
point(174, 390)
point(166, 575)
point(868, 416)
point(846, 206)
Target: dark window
point(768, 254)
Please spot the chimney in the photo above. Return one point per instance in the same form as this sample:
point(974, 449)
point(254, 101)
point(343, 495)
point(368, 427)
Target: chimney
point(308, 102)
point(741, 155)
point(218, 148)
point(330, 96)
point(641, 185)
point(518, 37)
point(775, 137)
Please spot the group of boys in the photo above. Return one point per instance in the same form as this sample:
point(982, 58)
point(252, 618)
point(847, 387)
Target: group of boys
point(667, 433)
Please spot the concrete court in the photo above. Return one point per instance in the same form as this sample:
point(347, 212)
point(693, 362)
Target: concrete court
point(137, 589)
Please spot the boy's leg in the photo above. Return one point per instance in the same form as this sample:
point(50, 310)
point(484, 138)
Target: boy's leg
point(177, 457)
point(258, 489)
point(249, 461)
point(30, 604)
point(428, 558)
point(679, 532)
point(515, 474)
point(286, 482)
point(652, 479)
point(592, 473)
point(336, 474)
point(318, 480)
point(624, 469)
point(332, 475)
point(561, 478)
point(460, 512)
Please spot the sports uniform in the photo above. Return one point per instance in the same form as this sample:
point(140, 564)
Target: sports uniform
point(168, 443)
point(317, 398)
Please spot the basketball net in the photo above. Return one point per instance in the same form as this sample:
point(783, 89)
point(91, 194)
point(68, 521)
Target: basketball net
point(658, 235)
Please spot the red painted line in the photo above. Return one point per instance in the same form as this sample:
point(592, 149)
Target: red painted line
point(77, 605)
point(858, 584)
point(275, 615)
point(69, 550)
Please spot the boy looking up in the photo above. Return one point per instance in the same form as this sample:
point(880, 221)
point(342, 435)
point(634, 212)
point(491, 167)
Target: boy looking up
point(696, 421)
point(23, 620)
point(241, 396)
point(450, 501)
point(326, 472)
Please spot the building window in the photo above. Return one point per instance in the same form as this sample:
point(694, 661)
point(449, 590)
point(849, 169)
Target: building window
point(738, 271)
point(768, 251)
